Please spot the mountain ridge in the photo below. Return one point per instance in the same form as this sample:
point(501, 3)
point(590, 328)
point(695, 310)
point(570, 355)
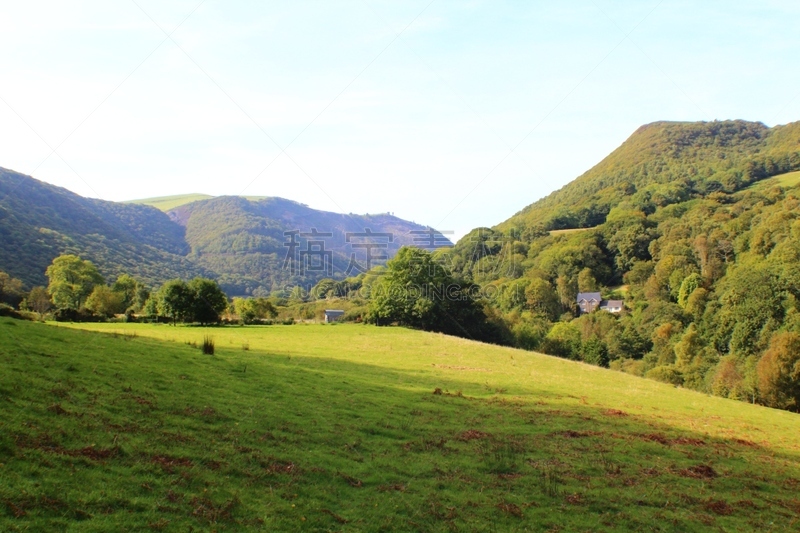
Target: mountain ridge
point(695, 157)
point(39, 221)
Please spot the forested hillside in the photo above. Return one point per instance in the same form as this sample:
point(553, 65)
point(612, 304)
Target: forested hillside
point(665, 163)
point(238, 241)
point(39, 221)
point(707, 261)
point(244, 241)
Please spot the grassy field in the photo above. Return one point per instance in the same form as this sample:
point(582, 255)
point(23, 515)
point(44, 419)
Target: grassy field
point(557, 232)
point(792, 179)
point(167, 203)
point(126, 427)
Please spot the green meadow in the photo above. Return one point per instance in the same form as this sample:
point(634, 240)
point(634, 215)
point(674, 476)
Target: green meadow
point(168, 203)
point(346, 427)
point(788, 180)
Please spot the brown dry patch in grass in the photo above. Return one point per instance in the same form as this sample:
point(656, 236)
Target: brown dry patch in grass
point(394, 487)
point(468, 368)
point(353, 482)
point(20, 508)
point(96, 454)
point(615, 412)
point(173, 497)
point(666, 441)
point(655, 437)
point(473, 434)
point(212, 465)
point(511, 508)
point(719, 507)
point(572, 434)
point(282, 467)
point(169, 463)
point(144, 401)
point(651, 472)
point(335, 516)
point(698, 472)
point(574, 499)
point(159, 524)
point(746, 504)
point(59, 392)
point(45, 443)
point(689, 441)
point(212, 513)
point(57, 409)
point(745, 442)
point(15, 509)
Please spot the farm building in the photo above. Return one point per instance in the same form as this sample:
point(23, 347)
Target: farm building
point(333, 315)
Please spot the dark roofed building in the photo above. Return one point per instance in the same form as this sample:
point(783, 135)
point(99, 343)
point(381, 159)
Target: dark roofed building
point(589, 301)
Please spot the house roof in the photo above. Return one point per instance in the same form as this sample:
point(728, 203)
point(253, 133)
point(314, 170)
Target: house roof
point(334, 311)
point(588, 296)
point(612, 303)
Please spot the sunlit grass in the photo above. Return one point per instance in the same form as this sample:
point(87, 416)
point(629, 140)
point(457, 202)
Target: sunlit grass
point(357, 428)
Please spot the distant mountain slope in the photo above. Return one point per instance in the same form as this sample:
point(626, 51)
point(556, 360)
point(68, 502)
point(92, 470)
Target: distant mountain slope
point(39, 221)
point(664, 163)
point(245, 242)
point(237, 240)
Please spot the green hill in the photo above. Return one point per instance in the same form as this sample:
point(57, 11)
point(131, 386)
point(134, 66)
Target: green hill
point(39, 221)
point(243, 240)
point(356, 428)
point(236, 240)
point(701, 223)
point(668, 162)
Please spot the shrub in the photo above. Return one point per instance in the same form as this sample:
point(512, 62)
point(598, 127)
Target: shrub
point(667, 374)
point(208, 345)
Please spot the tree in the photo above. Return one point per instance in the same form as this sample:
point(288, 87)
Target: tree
point(209, 301)
point(71, 281)
point(418, 292)
point(779, 372)
point(104, 301)
point(152, 305)
point(10, 289)
point(326, 288)
point(251, 309)
point(564, 340)
point(133, 293)
point(587, 281)
point(175, 300)
point(691, 283)
point(542, 299)
point(38, 300)
point(595, 352)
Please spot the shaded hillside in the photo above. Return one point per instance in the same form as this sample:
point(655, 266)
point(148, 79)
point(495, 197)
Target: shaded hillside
point(244, 241)
point(237, 240)
point(39, 221)
point(665, 163)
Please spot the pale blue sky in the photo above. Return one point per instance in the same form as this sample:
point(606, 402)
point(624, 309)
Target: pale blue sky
point(474, 111)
